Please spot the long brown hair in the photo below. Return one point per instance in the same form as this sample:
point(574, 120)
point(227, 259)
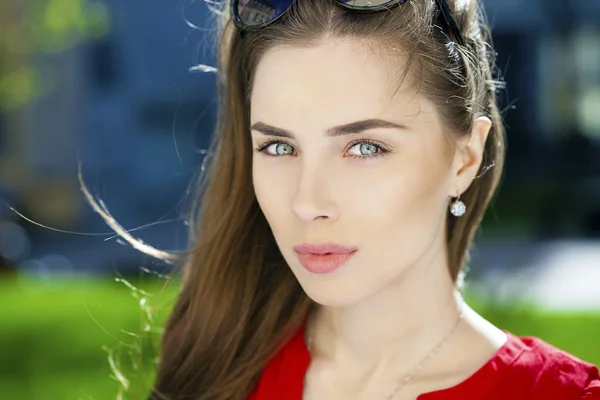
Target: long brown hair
point(239, 302)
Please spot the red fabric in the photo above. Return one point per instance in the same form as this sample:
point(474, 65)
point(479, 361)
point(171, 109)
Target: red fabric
point(525, 368)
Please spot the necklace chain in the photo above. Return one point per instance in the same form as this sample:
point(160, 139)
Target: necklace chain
point(423, 361)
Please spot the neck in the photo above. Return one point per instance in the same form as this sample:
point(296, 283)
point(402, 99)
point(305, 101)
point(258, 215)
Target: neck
point(394, 329)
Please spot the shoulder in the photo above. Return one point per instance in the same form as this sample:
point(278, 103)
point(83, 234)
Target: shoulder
point(556, 373)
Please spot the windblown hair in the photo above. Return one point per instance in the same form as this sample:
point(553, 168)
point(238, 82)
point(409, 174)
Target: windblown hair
point(239, 302)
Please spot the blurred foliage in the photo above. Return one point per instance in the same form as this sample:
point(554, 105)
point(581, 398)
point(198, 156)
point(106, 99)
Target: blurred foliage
point(40, 27)
point(90, 339)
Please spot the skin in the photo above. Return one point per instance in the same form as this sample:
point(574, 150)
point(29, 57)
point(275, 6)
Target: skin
point(394, 300)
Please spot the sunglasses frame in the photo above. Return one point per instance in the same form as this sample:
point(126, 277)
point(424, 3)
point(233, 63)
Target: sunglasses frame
point(443, 7)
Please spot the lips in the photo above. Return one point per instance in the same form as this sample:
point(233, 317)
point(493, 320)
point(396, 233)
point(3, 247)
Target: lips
point(324, 248)
point(324, 258)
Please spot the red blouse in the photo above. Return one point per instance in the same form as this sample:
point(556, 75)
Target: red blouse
point(524, 368)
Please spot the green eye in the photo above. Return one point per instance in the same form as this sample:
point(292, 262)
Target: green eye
point(367, 149)
point(276, 148)
point(282, 149)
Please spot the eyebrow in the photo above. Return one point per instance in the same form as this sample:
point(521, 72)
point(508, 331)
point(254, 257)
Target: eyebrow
point(340, 130)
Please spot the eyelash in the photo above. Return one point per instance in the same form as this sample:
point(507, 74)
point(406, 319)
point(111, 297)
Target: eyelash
point(381, 149)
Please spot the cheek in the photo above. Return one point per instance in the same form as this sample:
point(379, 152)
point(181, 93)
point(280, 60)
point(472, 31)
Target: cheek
point(271, 188)
point(398, 204)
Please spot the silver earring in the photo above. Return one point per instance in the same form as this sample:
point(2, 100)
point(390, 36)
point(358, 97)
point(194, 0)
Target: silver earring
point(458, 208)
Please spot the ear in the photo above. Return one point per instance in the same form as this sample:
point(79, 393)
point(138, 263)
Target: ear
point(469, 156)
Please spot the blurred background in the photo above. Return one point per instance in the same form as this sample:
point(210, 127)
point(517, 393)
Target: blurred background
point(106, 83)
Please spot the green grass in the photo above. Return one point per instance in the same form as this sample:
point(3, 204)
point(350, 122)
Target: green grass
point(56, 337)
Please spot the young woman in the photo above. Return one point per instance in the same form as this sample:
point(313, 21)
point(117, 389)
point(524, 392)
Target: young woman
point(359, 144)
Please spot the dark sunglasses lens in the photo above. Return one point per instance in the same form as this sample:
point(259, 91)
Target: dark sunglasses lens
point(367, 4)
point(258, 12)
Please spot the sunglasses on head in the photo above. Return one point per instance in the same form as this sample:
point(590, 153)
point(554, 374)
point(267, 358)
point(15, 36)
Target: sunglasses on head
point(256, 14)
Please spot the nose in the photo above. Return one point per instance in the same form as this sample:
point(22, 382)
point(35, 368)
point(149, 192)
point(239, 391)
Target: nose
point(312, 199)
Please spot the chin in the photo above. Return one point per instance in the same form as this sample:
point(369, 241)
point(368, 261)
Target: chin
point(333, 291)
point(327, 299)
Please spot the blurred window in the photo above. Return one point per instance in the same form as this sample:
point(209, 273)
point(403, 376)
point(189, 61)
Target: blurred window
point(103, 63)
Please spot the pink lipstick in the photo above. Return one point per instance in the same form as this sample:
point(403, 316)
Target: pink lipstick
point(323, 258)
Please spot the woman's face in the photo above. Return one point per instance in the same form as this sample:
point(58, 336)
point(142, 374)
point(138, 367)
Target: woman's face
point(381, 187)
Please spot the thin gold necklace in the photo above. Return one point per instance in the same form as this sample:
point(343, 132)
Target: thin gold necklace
point(421, 363)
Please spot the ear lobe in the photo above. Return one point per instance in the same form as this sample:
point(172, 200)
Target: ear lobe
point(470, 155)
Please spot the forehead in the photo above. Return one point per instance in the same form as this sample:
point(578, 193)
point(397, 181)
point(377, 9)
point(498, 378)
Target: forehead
point(335, 82)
